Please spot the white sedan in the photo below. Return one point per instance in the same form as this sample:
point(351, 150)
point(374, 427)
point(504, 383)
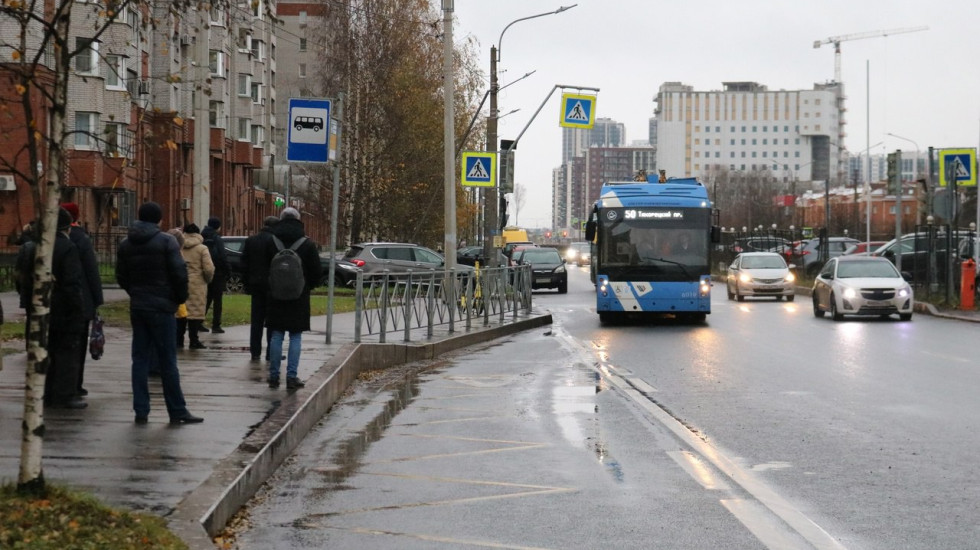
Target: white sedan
point(861, 285)
point(760, 274)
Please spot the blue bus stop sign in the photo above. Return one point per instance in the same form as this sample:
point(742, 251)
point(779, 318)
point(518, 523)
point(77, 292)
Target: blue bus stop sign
point(309, 130)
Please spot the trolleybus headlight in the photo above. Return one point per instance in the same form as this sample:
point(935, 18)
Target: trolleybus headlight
point(705, 288)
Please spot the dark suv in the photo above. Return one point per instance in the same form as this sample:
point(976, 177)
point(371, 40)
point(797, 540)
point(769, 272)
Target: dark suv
point(375, 259)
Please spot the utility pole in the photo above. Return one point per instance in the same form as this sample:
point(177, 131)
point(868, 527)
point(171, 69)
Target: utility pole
point(201, 191)
point(449, 145)
point(490, 193)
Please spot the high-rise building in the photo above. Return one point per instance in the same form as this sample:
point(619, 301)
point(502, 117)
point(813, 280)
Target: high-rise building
point(747, 127)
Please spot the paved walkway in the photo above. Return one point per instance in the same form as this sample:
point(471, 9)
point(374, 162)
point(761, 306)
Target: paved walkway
point(199, 475)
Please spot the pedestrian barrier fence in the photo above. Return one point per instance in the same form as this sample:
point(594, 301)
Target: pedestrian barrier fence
point(402, 302)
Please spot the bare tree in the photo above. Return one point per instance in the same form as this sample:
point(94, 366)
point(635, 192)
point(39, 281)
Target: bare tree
point(520, 198)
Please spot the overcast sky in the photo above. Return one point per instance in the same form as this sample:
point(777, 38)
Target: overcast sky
point(924, 86)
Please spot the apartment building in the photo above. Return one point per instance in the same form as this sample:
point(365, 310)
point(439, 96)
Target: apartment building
point(747, 127)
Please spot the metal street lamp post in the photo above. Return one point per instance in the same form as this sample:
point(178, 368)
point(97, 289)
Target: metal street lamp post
point(918, 210)
point(490, 217)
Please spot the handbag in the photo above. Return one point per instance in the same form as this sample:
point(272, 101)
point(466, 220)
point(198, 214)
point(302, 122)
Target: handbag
point(96, 338)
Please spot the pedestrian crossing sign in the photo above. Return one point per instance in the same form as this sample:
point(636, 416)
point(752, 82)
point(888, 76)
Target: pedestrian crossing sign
point(577, 111)
point(958, 165)
point(479, 169)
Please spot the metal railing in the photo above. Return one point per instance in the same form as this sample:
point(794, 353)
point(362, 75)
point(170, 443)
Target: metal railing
point(420, 301)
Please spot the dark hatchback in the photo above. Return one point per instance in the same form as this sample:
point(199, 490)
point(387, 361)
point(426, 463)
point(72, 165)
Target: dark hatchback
point(547, 268)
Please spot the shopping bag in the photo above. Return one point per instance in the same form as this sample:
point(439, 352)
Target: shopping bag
point(96, 338)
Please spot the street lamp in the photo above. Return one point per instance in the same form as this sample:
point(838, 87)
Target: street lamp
point(490, 218)
point(918, 209)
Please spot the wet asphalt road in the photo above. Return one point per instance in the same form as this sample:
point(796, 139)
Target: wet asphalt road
point(765, 427)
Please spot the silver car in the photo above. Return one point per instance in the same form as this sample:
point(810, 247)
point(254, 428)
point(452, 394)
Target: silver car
point(760, 274)
point(861, 285)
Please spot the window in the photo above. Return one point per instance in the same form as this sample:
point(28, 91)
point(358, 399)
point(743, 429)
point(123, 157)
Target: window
point(257, 134)
point(87, 58)
point(302, 44)
point(244, 85)
point(114, 69)
point(244, 129)
point(85, 126)
point(116, 140)
point(216, 114)
point(302, 70)
point(217, 15)
point(258, 49)
point(256, 92)
point(258, 8)
point(765, 141)
point(732, 142)
point(216, 61)
point(302, 17)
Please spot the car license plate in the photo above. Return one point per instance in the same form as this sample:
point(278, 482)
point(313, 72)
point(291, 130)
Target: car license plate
point(876, 303)
point(768, 287)
point(542, 280)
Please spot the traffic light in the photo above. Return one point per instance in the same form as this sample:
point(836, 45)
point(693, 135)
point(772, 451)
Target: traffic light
point(893, 174)
point(279, 202)
point(547, 234)
point(564, 233)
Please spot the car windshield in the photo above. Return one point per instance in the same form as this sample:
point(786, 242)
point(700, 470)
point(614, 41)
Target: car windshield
point(848, 270)
point(541, 256)
point(763, 262)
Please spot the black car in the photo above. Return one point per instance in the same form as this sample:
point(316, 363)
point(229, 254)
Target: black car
point(235, 244)
point(547, 268)
point(469, 255)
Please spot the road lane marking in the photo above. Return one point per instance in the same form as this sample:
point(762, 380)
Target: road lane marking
point(767, 497)
point(760, 523)
point(696, 468)
point(433, 538)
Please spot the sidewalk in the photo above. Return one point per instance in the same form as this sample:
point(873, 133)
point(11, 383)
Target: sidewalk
point(200, 475)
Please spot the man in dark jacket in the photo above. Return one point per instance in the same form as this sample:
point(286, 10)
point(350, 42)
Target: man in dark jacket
point(216, 288)
point(91, 285)
point(150, 269)
point(65, 321)
point(292, 316)
point(255, 266)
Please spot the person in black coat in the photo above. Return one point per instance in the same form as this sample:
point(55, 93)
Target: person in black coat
point(65, 320)
point(91, 286)
point(292, 316)
point(150, 269)
point(255, 266)
point(222, 269)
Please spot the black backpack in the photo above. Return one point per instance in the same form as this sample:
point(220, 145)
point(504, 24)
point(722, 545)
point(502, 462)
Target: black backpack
point(286, 278)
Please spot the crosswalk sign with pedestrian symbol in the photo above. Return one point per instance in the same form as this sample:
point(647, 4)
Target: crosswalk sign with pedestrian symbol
point(577, 111)
point(958, 165)
point(479, 169)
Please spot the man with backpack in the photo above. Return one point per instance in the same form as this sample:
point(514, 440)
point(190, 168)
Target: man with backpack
point(216, 288)
point(293, 272)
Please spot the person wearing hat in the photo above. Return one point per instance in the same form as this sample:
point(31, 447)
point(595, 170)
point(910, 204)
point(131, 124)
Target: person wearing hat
point(292, 316)
point(200, 272)
point(91, 285)
point(151, 270)
point(216, 288)
point(65, 319)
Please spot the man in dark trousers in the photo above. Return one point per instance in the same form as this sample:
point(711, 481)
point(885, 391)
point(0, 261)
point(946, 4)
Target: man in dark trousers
point(292, 316)
point(150, 269)
point(66, 319)
point(255, 265)
point(91, 285)
point(216, 288)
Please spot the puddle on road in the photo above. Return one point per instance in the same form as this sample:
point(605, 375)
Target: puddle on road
point(576, 411)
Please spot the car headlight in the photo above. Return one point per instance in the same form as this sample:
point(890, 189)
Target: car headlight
point(849, 293)
point(745, 278)
point(789, 278)
point(560, 269)
point(904, 292)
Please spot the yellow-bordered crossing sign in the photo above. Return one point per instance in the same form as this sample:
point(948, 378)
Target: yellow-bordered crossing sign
point(577, 111)
point(966, 167)
point(479, 169)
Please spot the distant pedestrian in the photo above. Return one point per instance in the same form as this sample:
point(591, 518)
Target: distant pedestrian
point(222, 269)
point(66, 319)
point(292, 316)
point(150, 269)
point(200, 272)
point(255, 266)
point(91, 285)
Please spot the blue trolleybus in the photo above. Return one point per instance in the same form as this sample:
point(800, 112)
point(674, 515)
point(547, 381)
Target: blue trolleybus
point(651, 248)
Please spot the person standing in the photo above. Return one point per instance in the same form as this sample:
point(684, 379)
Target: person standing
point(292, 316)
point(200, 272)
point(66, 318)
point(91, 286)
point(216, 288)
point(150, 269)
point(255, 266)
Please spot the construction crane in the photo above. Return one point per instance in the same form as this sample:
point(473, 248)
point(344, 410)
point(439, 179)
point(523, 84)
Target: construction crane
point(836, 40)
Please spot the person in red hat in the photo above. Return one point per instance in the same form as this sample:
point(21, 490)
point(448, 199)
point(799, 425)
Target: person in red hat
point(91, 285)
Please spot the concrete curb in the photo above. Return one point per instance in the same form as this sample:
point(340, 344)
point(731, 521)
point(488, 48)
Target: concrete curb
point(236, 478)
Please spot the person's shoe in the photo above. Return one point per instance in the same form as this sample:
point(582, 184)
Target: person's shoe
point(274, 382)
point(293, 383)
point(255, 357)
point(141, 419)
point(217, 330)
point(187, 418)
point(203, 328)
point(197, 345)
point(82, 391)
point(76, 403)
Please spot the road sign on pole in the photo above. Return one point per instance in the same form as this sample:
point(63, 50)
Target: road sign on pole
point(309, 130)
point(958, 166)
point(479, 169)
point(577, 111)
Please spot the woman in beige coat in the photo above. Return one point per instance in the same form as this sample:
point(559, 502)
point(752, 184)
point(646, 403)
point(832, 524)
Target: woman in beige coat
point(200, 271)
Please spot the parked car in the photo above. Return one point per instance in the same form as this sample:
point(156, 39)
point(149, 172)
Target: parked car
point(863, 248)
point(375, 259)
point(547, 268)
point(915, 250)
point(509, 247)
point(862, 285)
point(758, 244)
point(516, 252)
point(469, 255)
point(809, 252)
point(579, 253)
point(234, 245)
point(760, 274)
